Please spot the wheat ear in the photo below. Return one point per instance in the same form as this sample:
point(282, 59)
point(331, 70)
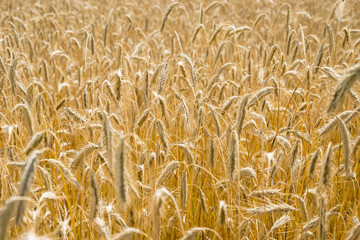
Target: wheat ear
point(34, 142)
point(241, 113)
point(87, 150)
point(344, 86)
point(222, 212)
point(326, 170)
point(95, 196)
point(128, 234)
point(347, 151)
point(354, 233)
point(166, 15)
point(25, 183)
point(121, 171)
point(169, 169)
point(108, 138)
point(7, 213)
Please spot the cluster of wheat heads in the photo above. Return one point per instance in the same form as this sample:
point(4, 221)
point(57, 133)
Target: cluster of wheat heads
point(179, 120)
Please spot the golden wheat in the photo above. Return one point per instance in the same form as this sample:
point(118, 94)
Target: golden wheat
point(179, 120)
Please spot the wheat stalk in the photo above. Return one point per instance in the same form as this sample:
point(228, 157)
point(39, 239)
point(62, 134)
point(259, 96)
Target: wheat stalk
point(161, 132)
point(34, 142)
point(166, 15)
point(27, 116)
point(266, 192)
point(211, 151)
point(12, 76)
point(183, 184)
point(222, 212)
point(313, 160)
point(343, 87)
point(347, 151)
point(280, 222)
point(25, 183)
point(354, 233)
point(128, 233)
point(271, 208)
point(7, 212)
point(326, 169)
point(86, 151)
point(120, 171)
point(322, 217)
point(241, 113)
point(108, 138)
point(95, 196)
point(232, 152)
point(64, 171)
point(169, 169)
point(157, 203)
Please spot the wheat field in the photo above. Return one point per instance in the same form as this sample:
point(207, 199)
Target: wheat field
point(179, 120)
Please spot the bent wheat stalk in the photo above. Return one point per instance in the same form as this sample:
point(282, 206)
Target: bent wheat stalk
point(352, 76)
point(25, 183)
